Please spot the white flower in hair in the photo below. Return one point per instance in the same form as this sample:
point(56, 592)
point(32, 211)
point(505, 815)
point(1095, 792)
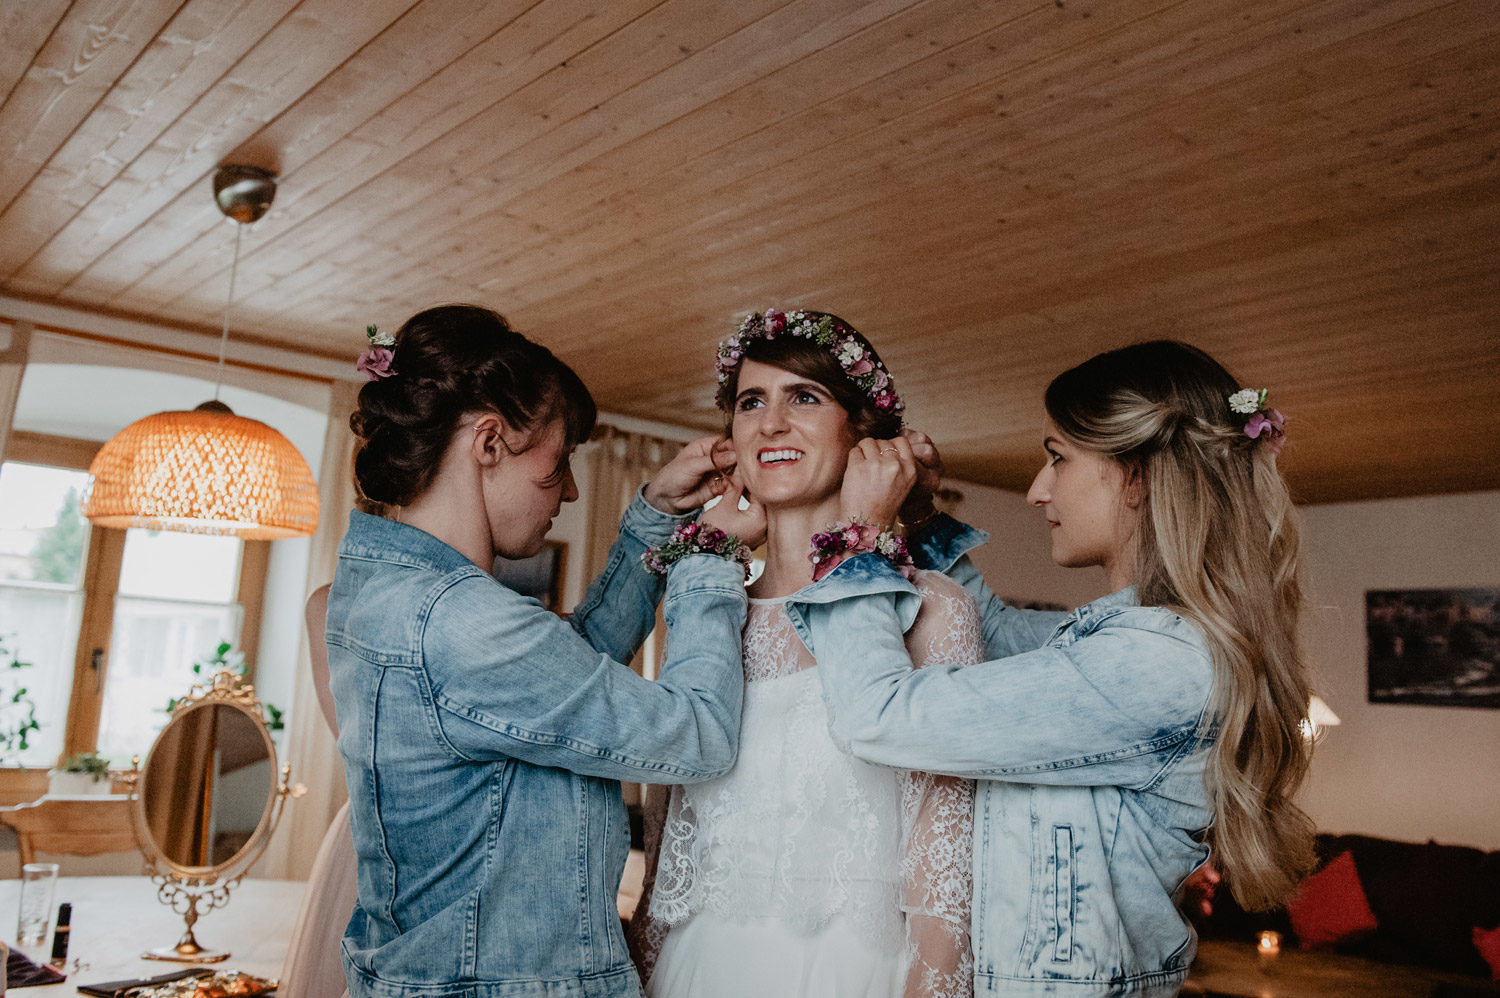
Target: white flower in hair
point(1246, 400)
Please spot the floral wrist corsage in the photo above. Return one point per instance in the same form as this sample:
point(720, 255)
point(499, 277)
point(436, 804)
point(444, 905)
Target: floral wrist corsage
point(695, 538)
point(843, 540)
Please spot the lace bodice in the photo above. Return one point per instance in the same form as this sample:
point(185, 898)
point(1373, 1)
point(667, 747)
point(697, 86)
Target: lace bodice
point(800, 831)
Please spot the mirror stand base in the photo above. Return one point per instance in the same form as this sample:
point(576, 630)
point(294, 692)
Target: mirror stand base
point(186, 951)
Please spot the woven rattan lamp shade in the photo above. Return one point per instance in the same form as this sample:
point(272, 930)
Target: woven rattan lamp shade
point(205, 471)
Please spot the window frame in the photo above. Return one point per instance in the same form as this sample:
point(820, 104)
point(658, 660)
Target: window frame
point(101, 579)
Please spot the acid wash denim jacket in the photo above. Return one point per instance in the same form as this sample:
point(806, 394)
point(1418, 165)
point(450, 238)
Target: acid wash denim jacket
point(1088, 737)
point(483, 738)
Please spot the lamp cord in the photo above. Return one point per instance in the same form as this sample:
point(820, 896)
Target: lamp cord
point(239, 230)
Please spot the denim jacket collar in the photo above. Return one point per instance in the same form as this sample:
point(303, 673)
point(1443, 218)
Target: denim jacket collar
point(943, 540)
point(862, 575)
point(376, 538)
point(1104, 606)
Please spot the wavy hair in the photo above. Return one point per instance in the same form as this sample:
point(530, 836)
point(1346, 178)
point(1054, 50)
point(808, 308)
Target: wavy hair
point(451, 361)
point(1217, 541)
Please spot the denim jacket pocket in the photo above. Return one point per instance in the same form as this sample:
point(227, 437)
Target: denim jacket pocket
point(1064, 893)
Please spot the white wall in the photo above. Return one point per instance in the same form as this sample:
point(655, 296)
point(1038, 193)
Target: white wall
point(1017, 561)
point(1404, 772)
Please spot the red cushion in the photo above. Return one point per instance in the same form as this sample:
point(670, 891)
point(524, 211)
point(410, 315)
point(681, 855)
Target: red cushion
point(1331, 907)
point(1487, 942)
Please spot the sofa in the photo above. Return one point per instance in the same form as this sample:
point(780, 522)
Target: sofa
point(1419, 905)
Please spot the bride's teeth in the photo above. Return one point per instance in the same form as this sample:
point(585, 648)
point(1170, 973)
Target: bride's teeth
point(771, 457)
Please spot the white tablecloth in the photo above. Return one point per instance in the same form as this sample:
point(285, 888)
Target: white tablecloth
point(115, 919)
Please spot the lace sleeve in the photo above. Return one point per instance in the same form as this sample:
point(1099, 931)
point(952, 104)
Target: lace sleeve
point(645, 935)
point(938, 815)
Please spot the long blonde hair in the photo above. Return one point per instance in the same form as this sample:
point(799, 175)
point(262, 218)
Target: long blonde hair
point(1217, 542)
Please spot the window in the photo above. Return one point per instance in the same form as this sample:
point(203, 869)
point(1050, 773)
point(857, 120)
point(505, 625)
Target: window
point(174, 603)
point(43, 544)
point(111, 621)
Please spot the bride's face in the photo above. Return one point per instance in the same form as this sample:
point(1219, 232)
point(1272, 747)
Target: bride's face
point(791, 438)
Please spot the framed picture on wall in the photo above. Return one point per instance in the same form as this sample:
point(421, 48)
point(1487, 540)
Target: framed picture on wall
point(540, 576)
point(1439, 647)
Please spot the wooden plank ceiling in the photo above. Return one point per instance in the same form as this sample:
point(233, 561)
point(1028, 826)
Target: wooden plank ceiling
point(991, 189)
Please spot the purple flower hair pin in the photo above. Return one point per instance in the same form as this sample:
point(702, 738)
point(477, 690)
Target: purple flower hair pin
point(1266, 426)
point(376, 361)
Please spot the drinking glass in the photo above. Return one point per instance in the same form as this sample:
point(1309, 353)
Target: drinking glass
point(38, 884)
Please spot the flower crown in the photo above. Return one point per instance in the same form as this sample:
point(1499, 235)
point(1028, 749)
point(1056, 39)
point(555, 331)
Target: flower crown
point(847, 346)
point(1266, 426)
point(376, 361)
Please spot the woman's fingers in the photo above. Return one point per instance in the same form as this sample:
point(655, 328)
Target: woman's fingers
point(748, 523)
point(878, 477)
point(722, 454)
point(690, 479)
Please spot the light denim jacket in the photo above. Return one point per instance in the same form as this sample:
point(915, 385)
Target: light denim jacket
point(1088, 736)
point(483, 738)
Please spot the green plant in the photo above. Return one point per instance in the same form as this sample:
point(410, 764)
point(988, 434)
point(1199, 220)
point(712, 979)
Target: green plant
point(87, 762)
point(17, 709)
point(225, 658)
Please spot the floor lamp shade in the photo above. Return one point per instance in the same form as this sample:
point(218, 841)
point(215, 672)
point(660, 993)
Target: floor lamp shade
point(203, 471)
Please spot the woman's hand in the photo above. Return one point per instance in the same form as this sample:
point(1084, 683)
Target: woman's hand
point(749, 524)
point(918, 505)
point(699, 472)
point(877, 480)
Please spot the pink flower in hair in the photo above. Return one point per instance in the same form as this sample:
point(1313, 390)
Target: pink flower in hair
point(376, 363)
point(1269, 427)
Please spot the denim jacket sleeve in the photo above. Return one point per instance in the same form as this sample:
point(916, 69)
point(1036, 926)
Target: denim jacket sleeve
point(1115, 706)
point(510, 679)
point(618, 609)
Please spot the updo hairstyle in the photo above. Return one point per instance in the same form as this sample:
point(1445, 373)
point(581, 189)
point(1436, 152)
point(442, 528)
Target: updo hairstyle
point(450, 362)
point(807, 359)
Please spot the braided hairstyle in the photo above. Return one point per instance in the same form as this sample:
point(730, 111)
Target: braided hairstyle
point(1218, 543)
point(452, 361)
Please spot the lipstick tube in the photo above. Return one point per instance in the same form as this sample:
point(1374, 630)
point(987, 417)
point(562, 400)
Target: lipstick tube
point(60, 935)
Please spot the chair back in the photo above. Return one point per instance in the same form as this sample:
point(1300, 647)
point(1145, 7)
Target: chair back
point(72, 826)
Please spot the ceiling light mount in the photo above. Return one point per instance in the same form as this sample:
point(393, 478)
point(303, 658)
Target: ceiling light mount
point(244, 193)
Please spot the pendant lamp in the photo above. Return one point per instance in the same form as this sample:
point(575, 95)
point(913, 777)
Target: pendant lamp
point(208, 471)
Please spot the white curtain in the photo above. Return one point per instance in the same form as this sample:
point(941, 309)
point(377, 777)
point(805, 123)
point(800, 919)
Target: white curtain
point(310, 747)
point(15, 345)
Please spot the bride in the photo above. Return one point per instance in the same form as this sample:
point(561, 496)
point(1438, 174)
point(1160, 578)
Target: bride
point(804, 871)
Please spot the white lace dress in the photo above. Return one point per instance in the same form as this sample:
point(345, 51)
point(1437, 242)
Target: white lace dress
point(804, 871)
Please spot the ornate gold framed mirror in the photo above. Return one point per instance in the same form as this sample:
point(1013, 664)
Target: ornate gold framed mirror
point(205, 803)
